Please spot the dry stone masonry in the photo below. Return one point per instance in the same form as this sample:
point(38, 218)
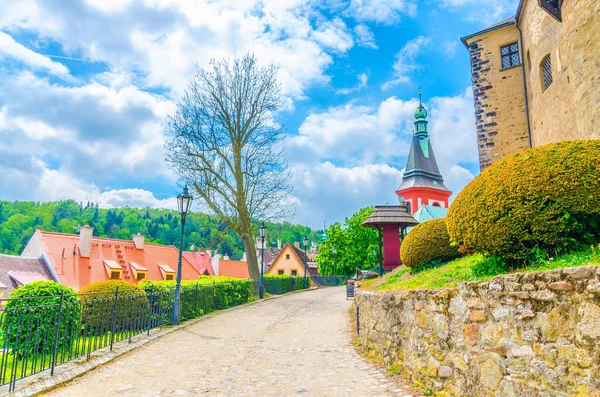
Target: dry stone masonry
point(534, 334)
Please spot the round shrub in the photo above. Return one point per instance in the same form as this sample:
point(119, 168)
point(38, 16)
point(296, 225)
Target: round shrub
point(30, 323)
point(537, 202)
point(427, 242)
point(100, 303)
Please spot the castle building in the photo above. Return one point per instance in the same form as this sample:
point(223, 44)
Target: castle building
point(535, 77)
point(422, 184)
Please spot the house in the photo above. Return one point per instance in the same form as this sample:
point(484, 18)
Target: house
point(79, 260)
point(269, 255)
point(201, 261)
point(290, 262)
point(535, 77)
point(16, 271)
point(231, 268)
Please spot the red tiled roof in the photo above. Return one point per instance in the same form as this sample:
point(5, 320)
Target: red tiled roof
point(77, 272)
point(200, 261)
point(237, 269)
point(23, 270)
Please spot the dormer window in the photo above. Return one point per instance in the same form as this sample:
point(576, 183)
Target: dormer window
point(113, 269)
point(139, 272)
point(115, 275)
point(510, 55)
point(167, 271)
point(170, 276)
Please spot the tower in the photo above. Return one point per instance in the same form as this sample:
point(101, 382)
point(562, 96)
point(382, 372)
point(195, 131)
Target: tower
point(422, 183)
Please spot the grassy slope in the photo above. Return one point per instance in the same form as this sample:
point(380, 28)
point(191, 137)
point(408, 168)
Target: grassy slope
point(460, 270)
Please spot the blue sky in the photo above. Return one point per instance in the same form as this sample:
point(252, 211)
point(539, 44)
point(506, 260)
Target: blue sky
point(85, 87)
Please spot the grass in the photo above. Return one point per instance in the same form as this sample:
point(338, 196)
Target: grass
point(469, 268)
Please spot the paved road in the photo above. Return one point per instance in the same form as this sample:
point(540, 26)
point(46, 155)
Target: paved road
point(297, 344)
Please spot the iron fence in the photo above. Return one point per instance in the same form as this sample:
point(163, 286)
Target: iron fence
point(41, 333)
point(330, 281)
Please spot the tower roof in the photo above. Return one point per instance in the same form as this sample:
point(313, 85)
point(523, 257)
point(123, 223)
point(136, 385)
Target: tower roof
point(421, 168)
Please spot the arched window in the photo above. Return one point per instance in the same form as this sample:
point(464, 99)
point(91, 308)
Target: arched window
point(436, 204)
point(546, 72)
point(408, 207)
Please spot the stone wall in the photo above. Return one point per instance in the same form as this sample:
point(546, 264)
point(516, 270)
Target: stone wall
point(499, 97)
point(570, 107)
point(534, 334)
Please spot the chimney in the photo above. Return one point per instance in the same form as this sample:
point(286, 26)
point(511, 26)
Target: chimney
point(138, 240)
point(209, 253)
point(297, 245)
point(192, 247)
point(279, 244)
point(215, 263)
point(226, 257)
point(85, 241)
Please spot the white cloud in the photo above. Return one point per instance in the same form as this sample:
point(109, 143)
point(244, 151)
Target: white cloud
point(405, 62)
point(449, 48)
point(363, 82)
point(364, 36)
point(486, 12)
point(9, 48)
point(381, 11)
point(334, 35)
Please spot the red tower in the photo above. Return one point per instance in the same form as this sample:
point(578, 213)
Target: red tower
point(422, 183)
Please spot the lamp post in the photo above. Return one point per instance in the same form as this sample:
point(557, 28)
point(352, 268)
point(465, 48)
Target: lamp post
point(305, 241)
point(263, 231)
point(184, 203)
point(334, 251)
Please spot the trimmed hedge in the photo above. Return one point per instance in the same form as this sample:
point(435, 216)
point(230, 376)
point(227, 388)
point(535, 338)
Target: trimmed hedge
point(280, 284)
point(29, 325)
point(427, 242)
point(198, 297)
point(538, 202)
point(99, 300)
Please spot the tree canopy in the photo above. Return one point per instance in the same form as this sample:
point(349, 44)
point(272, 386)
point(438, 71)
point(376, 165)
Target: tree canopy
point(354, 244)
point(20, 219)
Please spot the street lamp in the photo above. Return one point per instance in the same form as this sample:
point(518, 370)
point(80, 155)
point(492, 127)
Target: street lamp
point(305, 241)
point(263, 231)
point(184, 203)
point(334, 251)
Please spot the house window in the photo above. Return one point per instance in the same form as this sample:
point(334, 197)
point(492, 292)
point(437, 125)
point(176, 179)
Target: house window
point(141, 276)
point(546, 67)
point(294, 272)
point(287, 256)
point(408, 207)
point(280, 272)
point(115, 275)
point(510, 55)
point(169, 277)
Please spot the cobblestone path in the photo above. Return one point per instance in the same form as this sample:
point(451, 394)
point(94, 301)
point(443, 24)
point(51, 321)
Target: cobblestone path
point(294, 345)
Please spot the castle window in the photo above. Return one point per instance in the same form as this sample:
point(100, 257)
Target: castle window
point(546, 67)
point(510, 55)
point(552, 7)
point(408, 207)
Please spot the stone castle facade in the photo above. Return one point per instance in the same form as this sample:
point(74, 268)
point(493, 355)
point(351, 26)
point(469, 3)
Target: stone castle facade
point(535, 77)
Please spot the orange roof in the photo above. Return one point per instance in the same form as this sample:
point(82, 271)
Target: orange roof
point(200, 261)
point(63, 256)
point(237, 269)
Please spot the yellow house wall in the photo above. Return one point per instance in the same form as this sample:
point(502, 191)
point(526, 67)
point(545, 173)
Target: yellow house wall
point(570, 107)
point(287, 265)
point(499, 97)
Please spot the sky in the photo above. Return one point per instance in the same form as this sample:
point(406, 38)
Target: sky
point(86, 87)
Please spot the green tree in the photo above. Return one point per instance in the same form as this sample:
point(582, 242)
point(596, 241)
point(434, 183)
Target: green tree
point(354, 244)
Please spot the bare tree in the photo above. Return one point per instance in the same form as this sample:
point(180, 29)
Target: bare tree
point(223, 141)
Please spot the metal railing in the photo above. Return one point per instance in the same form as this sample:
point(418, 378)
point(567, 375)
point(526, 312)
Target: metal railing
point(330, 281)
point(41, 333)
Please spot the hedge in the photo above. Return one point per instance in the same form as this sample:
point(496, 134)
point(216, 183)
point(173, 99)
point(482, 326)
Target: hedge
point(198, 297)
point(29, 325)
point(279, 284)
point(538, 202)
point(427, 242)
point(102, 304)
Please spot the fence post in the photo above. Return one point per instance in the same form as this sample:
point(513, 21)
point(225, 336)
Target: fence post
point(57, 334)
point(114, 319)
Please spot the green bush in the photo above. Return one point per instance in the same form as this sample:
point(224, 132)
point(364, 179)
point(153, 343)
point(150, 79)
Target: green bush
point(427, 242)
point(198, 297)
point(532, 204)
point(279, 284)
point(29, 325)
point(101, 305)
